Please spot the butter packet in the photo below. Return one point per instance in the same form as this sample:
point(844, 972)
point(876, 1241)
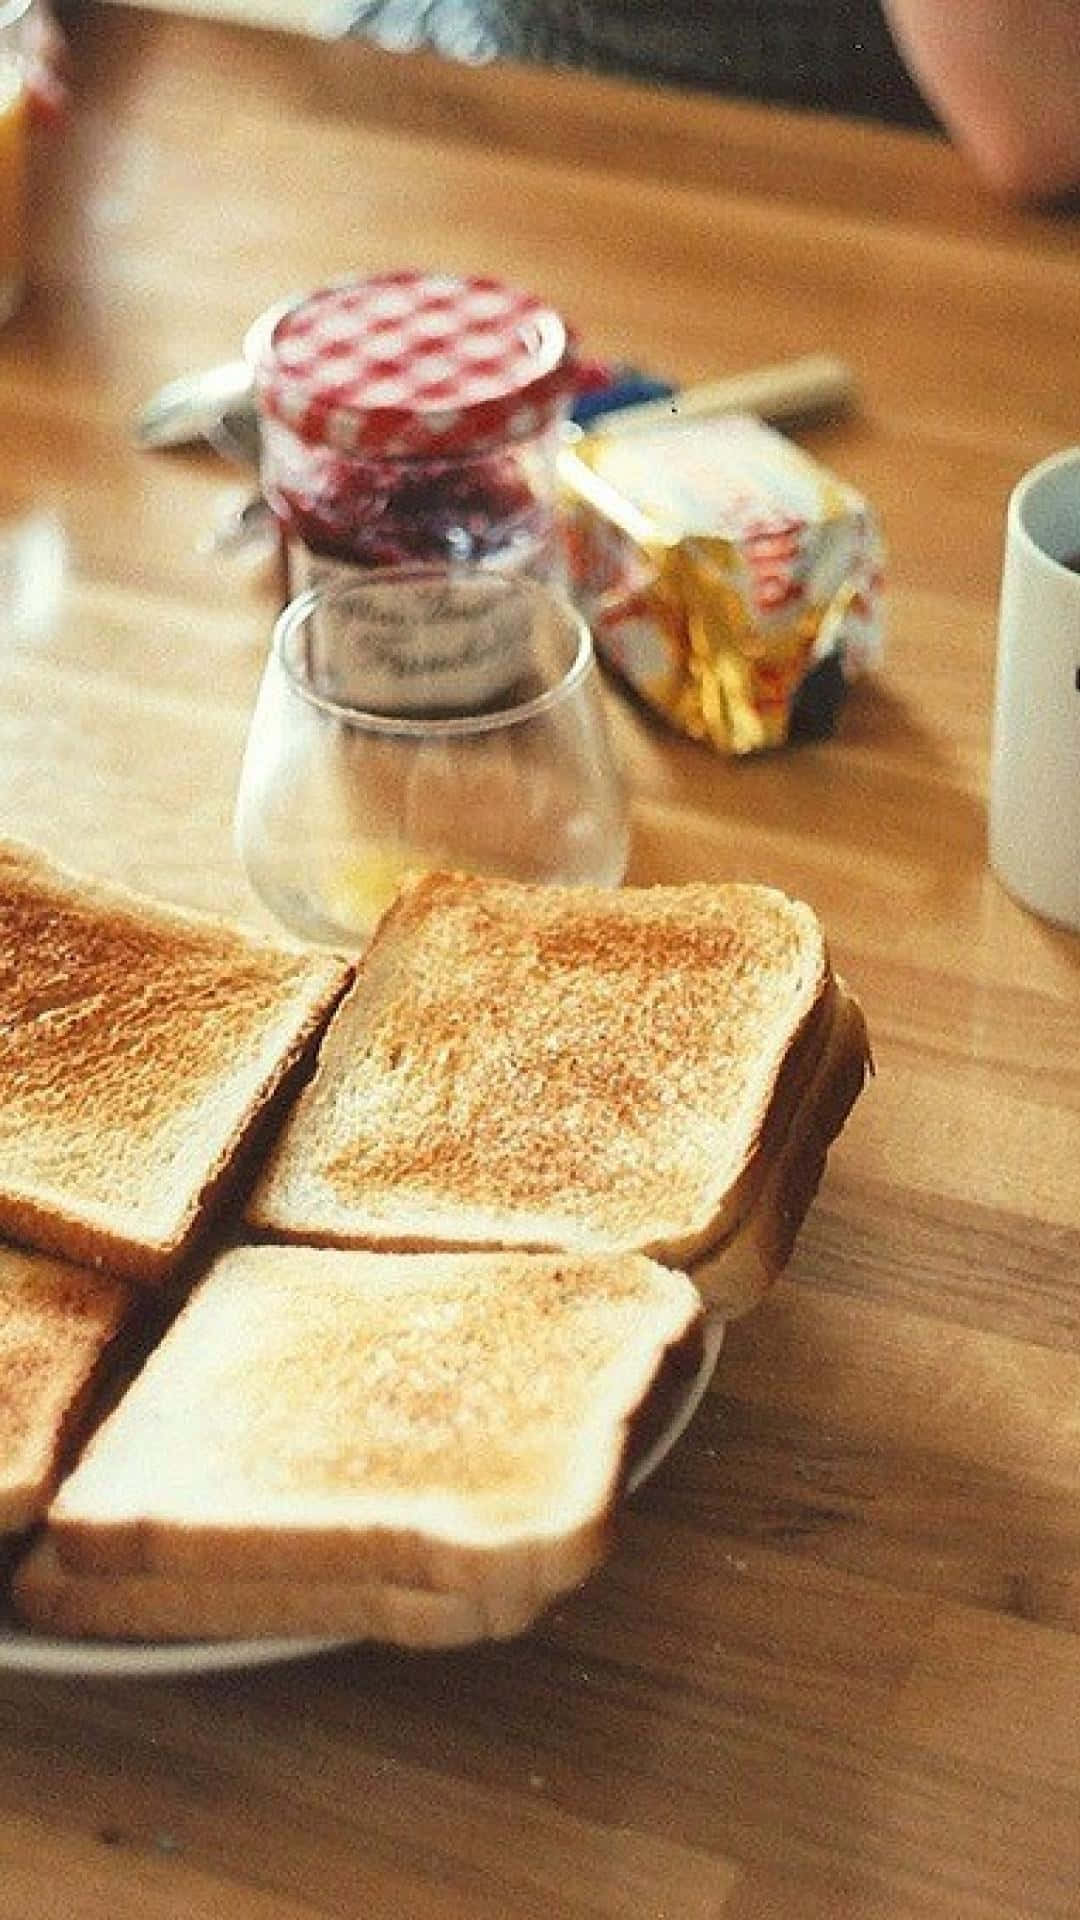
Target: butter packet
point(728, 577)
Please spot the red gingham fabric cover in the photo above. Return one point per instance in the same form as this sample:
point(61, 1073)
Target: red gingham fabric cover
point(412, 365)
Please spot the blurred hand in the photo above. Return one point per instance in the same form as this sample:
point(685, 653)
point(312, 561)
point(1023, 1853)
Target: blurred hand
point(1004, 76)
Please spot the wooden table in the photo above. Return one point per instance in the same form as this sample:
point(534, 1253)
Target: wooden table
point(834, 1667)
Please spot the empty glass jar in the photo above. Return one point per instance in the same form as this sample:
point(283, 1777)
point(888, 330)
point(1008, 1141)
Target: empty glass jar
point(370, 758)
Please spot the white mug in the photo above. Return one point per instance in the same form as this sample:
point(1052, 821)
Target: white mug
point(1035, 758)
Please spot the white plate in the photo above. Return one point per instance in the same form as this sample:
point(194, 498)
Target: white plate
point(23, 1652)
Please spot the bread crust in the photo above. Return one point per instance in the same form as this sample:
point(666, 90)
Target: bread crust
point(49, 1598)
point(734, 1275)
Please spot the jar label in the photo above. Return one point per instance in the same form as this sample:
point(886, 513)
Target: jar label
point(416, 645)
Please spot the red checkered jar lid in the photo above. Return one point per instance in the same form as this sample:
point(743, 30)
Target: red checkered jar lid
point(414, 365)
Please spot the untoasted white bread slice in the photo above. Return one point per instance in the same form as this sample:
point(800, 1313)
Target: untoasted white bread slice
point(51, 1598)
point(141, 1048)
point(531, 1067)
point(460, 1423)
point(58, 1324)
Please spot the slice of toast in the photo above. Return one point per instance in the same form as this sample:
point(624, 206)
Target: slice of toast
point(461, 1424)
point(142, 1048)
point(577, 1069)
point(59, 1325)
point(52, 1598)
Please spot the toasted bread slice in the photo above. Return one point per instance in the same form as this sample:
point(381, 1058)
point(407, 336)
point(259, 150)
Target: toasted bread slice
point(460, 1423)
point(58, 1326)
point(594, 1071)
point(733, 1274)
point(51, 1598)
point(141, 1049)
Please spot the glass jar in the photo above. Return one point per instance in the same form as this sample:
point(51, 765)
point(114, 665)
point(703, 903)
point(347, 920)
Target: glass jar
point(414, 419)
point(364, 765)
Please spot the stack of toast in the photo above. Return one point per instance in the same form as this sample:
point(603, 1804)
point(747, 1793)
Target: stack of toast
point(347, 1298)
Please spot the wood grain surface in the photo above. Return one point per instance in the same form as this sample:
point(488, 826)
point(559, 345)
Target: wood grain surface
point(833, 1669)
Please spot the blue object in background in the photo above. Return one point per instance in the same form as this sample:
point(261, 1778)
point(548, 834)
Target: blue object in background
point(628, 388)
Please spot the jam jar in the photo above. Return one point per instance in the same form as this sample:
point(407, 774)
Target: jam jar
point(413, 419)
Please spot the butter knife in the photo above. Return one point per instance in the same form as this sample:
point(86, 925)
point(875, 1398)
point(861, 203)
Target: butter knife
point(192, 406)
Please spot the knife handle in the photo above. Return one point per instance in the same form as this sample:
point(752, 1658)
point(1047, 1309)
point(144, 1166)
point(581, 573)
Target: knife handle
point(809, 388)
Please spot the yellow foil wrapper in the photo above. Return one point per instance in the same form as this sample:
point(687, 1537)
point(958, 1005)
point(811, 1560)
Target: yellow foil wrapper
point(729, 578)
